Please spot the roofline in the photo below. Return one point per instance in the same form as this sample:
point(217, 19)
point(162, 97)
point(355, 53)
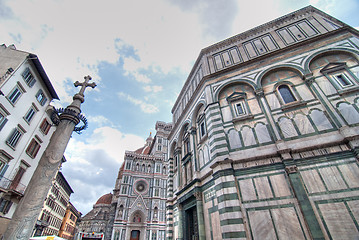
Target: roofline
point(35, 60)
point(244, 34)
point(63, 177)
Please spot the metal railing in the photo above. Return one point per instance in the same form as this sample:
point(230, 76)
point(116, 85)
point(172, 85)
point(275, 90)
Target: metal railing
point(8, 185)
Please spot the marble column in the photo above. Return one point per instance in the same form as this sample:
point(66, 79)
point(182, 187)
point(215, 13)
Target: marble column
point(29, 208)
point(200, 218)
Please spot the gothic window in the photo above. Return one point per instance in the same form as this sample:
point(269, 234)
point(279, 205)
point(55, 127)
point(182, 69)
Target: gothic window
point(124, 190)
point(128, 165)
point(137, 167)
point(155, 213)
point(149, 168)
point(120, 212)
point(143, 168)
point(164, 170)
point(286, 94)
point(28, 77)
point(158, 168)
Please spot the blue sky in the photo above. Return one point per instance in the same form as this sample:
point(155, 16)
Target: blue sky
point(139, 53)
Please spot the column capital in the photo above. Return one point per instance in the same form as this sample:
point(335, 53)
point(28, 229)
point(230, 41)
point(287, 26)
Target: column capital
point(198, 196)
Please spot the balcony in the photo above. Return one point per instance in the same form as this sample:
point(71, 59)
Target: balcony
point(11, 187)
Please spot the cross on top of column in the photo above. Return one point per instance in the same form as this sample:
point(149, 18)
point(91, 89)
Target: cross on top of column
point(85, 84)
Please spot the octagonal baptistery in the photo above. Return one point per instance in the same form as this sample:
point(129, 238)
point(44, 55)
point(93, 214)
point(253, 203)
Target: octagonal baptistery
point(265, 135)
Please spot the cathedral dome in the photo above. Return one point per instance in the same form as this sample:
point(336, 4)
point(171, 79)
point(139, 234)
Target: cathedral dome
point(105, 199)
point(143, 150)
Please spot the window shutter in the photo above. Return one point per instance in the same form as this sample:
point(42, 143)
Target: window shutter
point(3, 123)
point(3, 170)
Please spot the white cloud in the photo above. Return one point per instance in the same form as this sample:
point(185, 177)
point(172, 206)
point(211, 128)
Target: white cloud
point(153, 89)
point(145, 107)
point(92, 165)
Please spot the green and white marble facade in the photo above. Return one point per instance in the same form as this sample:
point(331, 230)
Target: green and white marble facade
point(267, 167)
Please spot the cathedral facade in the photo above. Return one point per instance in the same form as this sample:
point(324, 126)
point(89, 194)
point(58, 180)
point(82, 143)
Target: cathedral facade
point(137, 207)
point(265, 136)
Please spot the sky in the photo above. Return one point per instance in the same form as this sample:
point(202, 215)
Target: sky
point(139, 53)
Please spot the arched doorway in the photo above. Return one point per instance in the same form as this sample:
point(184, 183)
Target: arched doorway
point(135, 235)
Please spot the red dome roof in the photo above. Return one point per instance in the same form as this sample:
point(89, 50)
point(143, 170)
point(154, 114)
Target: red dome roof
point(105, 199)
point(143, 150)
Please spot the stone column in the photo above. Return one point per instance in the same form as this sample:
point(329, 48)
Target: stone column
point(180, 221)
point(29, 208)
point(200, 218)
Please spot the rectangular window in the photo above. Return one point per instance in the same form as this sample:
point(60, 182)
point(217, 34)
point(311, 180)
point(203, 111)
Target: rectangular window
point(343, 80)
point(5, 205)
point(33, 148)
point(159, 148)
point(128, 165)
point(15, 95)
point(202, 129)
point(45, 126)
point(30, 115)
point(240, 110)
point(156, 192)
point(28, 77)
point(40, 96)
point(14, 137)
point(3, 120)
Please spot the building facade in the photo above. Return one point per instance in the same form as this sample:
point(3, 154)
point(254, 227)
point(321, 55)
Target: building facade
point(25, 124)
point(265, 135)
point(137, 207)
point(55, 208)
point(69, 222)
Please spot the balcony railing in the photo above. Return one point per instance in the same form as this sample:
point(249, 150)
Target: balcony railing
point(7, 185)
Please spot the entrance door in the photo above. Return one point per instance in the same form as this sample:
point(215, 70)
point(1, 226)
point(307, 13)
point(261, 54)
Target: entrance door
point(191, 225)
point(135, 235)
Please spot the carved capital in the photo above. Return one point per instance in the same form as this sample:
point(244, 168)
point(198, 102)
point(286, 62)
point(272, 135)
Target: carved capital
point(291, 169)
point(309, 79)
point(198, 196)
point(259, 92)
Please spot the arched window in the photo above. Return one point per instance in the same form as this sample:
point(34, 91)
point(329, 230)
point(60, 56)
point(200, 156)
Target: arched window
point(149, 168)
point(164, 170)
point(143, 167)
point(286, 94)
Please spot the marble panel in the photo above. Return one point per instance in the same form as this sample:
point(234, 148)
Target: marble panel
point(287, 223)
point(303, 124)
point(320, 120)
point(262, 133)
point(338, 221)
point(332, 178)
point(248, 136)
point(326, 86)
point(312, 181)
point(304, 92)
point(349, 113)
point(351, 174)
point(254, 106)
point(280, 185)
point(261, 225)
point(287, 128)
point(263, 188)
point(354, 208)
point(216, 226)
point(227, 114)
point(234, 140)
point(272, 101)
point(247, 190)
